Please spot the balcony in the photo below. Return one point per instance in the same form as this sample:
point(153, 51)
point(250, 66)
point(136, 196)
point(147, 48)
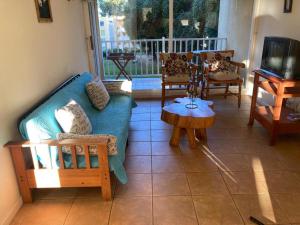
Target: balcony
point(146, 68)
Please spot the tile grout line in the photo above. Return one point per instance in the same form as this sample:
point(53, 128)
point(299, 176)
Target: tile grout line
point(73, 200)
point(198, 221)
point(111, 206)
point(235, 205)
point(152, 202)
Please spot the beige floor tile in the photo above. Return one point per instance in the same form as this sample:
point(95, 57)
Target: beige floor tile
point(141, 109)
point(268, 161)
point(187, 151)
point(138, 164)
point(155, 115)
point(289, 156)
point(263, 207)
point(216, 209)
point(283, 181)
point(160, 125)
point(290, 204)
point(131, 211)
point(46, 212)
point(139, 148)
point(164, 148)
point(199, 164)
point(89, 211)
point(161, 135)
point(91, 192)
point(139, 125)
point(54, 193)
point(246, 182)
point(175, 210)
point(156, 108)
point(206, 183)
point(167, 164)
point(140, 117)
point(233, 162)
point(170, 184)
point(138, 185)
point(141, 135)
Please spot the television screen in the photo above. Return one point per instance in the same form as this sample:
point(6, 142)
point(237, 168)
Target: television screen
point(281, 56)
point(274, 55)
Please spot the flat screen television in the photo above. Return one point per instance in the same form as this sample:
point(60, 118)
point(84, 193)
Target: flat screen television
point(281, 57)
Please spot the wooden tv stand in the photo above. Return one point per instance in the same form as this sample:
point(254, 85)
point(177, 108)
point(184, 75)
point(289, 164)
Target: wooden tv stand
point(274, 118)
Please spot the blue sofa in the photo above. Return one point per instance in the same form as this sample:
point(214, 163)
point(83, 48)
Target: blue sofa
point(40, 126)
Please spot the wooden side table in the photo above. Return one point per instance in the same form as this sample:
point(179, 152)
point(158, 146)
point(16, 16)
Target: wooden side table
point(194, 121)
point(117, 59)
point(274, 118)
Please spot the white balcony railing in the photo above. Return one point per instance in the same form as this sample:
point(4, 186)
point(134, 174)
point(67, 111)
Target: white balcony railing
point(147, 51)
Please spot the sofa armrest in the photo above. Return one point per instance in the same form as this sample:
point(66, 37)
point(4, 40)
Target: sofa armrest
point(82, 141)
point(118, 86)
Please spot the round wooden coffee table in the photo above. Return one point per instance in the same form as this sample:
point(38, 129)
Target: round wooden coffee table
point(194, 121)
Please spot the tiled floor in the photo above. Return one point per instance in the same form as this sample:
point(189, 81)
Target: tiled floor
point(237, 174)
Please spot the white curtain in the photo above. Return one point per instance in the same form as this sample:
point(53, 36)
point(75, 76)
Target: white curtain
point(95, 48)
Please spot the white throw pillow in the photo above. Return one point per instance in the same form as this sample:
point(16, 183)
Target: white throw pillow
point(97, 94)
point(73, 119)
point(111, 145)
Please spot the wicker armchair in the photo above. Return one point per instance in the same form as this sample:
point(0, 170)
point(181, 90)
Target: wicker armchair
point(219, 71)
point(177, 70)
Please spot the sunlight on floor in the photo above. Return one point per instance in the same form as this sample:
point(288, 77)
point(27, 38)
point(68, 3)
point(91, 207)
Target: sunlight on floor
point(265, 201)
point(218, 162)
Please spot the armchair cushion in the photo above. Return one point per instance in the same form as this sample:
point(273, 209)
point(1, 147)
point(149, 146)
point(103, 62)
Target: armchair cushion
point(223, 76)
point(219, 61)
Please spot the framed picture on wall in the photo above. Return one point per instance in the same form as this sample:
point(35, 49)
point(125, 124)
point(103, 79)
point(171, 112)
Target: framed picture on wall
point(43, 11)
point(288, 4)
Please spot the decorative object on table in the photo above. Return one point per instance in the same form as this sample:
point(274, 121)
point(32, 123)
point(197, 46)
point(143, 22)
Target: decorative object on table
point(43, 10)
point(220, 72)
point(121, 60)
point(194, 121)
point(176, 72)
point(192, 89)
point(288, 5)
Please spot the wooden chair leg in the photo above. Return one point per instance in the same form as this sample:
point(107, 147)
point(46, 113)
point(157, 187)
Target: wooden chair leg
point(105, 175)
point(240, 95)
point(163, 95)
point(226, 90)
point(20, 168)
point(207, 91)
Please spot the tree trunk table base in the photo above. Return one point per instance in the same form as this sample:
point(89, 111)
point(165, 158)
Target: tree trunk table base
point(193, 121)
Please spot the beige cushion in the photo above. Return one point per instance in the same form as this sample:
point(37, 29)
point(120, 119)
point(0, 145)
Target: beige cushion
point(223, 75)
point(111, 145)
point(73, 119)
point(97, 94)
point(178, 78)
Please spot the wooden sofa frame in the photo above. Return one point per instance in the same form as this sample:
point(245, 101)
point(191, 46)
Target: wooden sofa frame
point(31, 175)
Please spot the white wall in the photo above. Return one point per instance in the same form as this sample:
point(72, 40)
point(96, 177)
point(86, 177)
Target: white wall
point(235, 23)
point(269, 20)
point(34, 58)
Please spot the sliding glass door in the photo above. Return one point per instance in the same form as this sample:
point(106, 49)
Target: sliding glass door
point(148, 27)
